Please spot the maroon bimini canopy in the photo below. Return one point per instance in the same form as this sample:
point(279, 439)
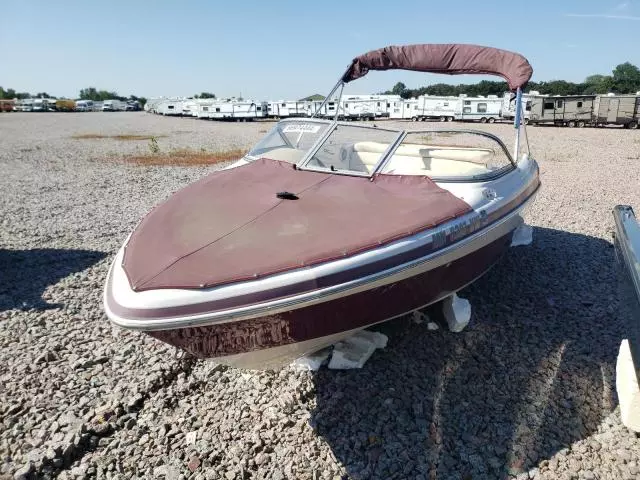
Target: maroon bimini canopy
point(230, 226)
point(450, 59)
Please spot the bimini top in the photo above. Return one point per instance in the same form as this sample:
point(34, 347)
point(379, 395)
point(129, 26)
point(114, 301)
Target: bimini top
point(450, 59)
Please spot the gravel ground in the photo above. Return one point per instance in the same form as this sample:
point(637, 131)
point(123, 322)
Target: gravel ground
point(526, 391)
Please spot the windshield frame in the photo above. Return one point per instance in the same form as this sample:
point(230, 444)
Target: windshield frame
point(332, 125)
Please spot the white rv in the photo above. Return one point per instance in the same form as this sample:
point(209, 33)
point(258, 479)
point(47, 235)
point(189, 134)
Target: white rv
point(113, 106)
point(436, 108)
point(238, 110)
point(190, 108)
point(171, 107)
point(482, 109)
point(508, 108)
point(284, 108)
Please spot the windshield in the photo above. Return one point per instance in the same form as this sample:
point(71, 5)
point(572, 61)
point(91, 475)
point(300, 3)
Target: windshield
point(454, 154)
point(357, 149)
point(289, 140)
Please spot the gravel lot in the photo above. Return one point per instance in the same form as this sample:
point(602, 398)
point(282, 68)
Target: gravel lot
point(526, 391)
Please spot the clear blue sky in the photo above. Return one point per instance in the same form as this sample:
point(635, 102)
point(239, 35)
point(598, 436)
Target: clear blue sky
point(276, 49)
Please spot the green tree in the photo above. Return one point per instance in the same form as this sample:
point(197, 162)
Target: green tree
point(626, 78)
point(398, 88)
point(205, 95)
point(598, 84)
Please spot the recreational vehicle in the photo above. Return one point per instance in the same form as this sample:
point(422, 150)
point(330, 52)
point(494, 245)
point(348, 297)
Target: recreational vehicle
point(508, 107)
point(190, 108)
point(617, 110)
point(237, 110)
point(170, 107)
point(482, 109)
point(283, 108)
point(570, 110)
point(436, 107)
point(113, 106)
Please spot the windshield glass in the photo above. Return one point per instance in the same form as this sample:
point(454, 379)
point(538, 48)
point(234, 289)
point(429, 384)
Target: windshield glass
point(351, 148)
point(448, 154)
point(289, 140)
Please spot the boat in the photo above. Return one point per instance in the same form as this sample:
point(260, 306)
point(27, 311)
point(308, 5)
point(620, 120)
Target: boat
point(325, 228)
point(627, 255)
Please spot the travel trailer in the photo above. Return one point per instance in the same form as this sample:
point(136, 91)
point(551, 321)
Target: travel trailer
point(190, 108)
point(436, 108)
point(170, 107)
point(569, 110)
point(482, 109)
point(237, 110)
point(617, 110)
point(283, 109)
point(508, 107)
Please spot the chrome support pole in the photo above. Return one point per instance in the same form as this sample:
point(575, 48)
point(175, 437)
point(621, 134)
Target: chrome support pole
point(516, 123)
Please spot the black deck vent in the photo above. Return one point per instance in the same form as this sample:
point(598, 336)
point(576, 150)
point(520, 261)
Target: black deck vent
point(287, 196)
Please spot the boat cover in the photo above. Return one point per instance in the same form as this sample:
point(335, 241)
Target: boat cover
point(231, 225)
point(448, 58)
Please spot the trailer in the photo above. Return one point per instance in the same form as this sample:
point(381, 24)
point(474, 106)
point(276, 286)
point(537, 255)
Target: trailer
point(508, 107)
point(171, 107)
point(285, 108)
point(436, 108)
point(617, 110)
point(238, 110)
point(568, 110)
point(479, 109)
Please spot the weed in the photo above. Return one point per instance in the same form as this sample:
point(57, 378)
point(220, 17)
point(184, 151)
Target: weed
point(153, 146)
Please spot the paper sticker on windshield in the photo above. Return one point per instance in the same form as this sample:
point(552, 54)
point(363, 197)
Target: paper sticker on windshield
point(301, 128)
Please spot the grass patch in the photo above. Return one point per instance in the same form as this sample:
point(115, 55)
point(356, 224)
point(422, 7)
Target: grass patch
point(187, 158)
point(94, 136)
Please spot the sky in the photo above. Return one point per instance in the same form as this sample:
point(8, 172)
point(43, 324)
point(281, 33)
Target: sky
point(285, 49)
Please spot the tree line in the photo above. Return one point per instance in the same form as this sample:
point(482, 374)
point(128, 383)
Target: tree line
point(625, 78)
point(90, 93)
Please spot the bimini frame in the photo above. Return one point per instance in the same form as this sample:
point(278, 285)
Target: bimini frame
point(450, 59)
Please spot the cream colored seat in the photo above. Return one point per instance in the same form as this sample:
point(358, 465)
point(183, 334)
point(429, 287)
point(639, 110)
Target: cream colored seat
point(416, 159)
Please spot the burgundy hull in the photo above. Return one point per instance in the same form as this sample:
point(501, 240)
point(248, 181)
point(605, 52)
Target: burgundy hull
point(339, 315)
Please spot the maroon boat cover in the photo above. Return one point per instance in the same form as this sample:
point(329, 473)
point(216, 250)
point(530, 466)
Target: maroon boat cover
point(449, 58)
point(231, 226)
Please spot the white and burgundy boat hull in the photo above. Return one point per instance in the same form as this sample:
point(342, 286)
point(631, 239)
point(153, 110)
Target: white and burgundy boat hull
point(325, 228)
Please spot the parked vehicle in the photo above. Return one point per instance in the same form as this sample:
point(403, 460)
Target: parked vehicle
point(84, 105)
point(569, 110)
point(508, 107)
point(617, 110)
point(113, 106)
point(24, 105)
point(481, 109)
point(238, 110)
point(440, 108)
